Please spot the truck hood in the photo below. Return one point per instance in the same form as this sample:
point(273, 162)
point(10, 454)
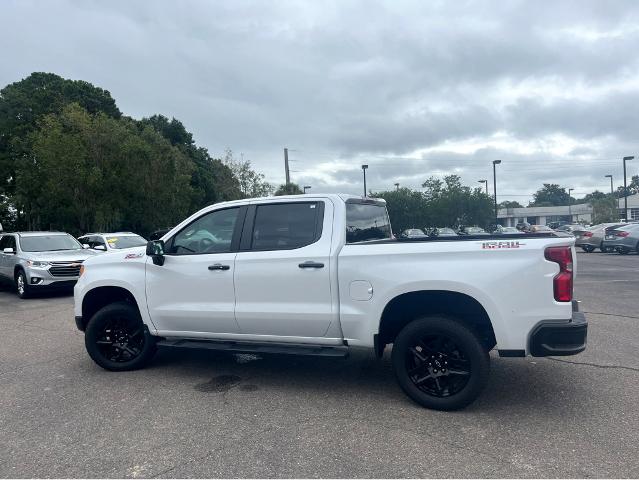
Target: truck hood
point(60, 256)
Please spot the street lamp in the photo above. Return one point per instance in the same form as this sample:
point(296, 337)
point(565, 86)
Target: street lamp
point(306, 187)
point(625, 188)
point(485, 182)
point(570, 204)
point(364, 167)
point(612, 191)
point(495, 162)
point(397, 186)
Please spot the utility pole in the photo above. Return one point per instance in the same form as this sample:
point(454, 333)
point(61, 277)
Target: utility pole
point(397, 186)
point(306, 187)
point(625, 188)
point(495, 163)
point(570, 204)
point(288, 175)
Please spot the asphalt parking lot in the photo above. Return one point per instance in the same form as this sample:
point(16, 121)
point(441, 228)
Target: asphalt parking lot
point(208, 414)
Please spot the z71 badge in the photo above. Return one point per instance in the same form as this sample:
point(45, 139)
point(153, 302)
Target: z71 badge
point(501, 244)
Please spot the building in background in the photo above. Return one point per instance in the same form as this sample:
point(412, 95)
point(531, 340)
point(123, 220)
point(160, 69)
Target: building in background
point(579, 213)
point(633, 207)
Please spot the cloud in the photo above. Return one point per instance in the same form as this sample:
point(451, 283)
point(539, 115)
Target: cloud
point(413, 88)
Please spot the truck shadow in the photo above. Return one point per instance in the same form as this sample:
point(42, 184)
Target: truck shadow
point(515, 385)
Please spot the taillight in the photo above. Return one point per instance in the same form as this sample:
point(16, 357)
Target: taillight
point(622, 234)
point(562, 283)
point(587, 234)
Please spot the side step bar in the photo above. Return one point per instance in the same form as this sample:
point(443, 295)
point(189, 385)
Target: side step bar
point(254, 347)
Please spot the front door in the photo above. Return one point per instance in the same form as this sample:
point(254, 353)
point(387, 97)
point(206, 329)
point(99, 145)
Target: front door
point(193, 291)
point(282, 271)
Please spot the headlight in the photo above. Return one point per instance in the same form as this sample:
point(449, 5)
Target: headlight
point(36, 264)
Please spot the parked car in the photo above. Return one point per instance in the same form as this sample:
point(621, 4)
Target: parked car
point(472, 231)
point(500, 230)
point(321, 275)
point(442, 232)
point(413, 233)
point(572, 228)
point(540, 229)
point(40, 260)
point(112, 241)
point(594, 237)
point(522, 226)
point(623, 240)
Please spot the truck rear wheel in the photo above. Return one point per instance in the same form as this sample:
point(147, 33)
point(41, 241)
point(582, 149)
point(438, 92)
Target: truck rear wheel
point(117, 339)
point(440, 363)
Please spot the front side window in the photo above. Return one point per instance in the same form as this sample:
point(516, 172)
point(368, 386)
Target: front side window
point(211, 233)
point(49, 243)
point(284, 226)
point(365, 222)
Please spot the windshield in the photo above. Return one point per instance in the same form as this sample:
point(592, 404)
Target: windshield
point(126, 241)
point(49, 243)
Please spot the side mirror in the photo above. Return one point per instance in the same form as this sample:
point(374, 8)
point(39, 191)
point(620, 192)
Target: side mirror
point(100, 247)
point(155, 250)
point(85, 245)
point(8, 250)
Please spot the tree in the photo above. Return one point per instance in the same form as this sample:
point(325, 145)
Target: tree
point(604, 210)
point(550, 195)
point(289, 189)
point(633, 187)
point(510, 204)
point(251, 183)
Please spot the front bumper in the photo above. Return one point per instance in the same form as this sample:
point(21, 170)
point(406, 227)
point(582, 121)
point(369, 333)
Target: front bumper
point(559, 339)
point(42, 278)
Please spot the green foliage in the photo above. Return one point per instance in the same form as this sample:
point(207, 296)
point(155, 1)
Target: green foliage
point(604, 210)
point(445, 203)
point(70, 161)
point(550, 195)
point(633, 187)
point(288, 189)
point(251, 183)
point(510, 204)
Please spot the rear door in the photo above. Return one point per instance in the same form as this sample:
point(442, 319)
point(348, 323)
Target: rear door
point(282, 271)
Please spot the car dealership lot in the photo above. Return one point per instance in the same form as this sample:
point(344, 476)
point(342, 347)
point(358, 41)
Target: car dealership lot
point(195, 413)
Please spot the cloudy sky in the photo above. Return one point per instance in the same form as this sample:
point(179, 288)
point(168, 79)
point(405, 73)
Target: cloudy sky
point(413, 89)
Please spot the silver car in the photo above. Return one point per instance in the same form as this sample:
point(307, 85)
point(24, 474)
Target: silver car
point(41, 260)
point(594, 236)
point(623, 239)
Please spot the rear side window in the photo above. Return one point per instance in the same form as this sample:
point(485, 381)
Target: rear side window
point(284, 226)
point(365, 222)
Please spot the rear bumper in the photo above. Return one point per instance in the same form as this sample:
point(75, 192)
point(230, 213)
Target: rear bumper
point(559, 339)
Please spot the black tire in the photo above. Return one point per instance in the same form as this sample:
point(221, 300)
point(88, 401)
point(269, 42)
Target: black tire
point(623, 251)
point(22, 285)
point(429, 347)
point(117, 340)
point(588, 248)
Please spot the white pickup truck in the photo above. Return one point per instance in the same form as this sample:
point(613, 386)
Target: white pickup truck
point(322, 274)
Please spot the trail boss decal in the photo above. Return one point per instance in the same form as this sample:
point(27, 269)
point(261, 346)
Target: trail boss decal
point(501, 244)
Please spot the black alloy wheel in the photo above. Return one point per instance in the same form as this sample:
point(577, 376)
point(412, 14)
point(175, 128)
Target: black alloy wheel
point(440, 362)
point(116, 339)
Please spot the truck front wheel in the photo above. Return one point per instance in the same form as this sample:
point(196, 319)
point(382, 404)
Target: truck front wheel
point(440, 363)
point(117, 340)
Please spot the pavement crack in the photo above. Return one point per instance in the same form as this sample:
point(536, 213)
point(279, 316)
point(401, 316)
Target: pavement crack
point(596, 365)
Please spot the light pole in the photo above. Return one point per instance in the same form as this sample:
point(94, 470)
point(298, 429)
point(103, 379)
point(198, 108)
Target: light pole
point(364, 167)
point(495, 163)
point(625, 188)
point(612, 191)
point(570, 204)
point(397, 186)
point(306, 187)
point(485, 182)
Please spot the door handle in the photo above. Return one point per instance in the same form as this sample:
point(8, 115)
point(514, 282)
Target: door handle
point(311, 264)
point(219, 266)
